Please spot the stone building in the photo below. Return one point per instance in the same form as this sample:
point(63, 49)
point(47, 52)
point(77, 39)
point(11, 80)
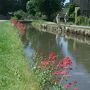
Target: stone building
point(84, 6)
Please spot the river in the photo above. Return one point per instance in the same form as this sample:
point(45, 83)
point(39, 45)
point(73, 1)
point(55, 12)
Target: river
point(62, 45)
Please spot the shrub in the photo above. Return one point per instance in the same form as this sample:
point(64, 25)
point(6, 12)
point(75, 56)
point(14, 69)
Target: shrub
point(14, 17)
point(81, 20)
point(86, 20)
point(72, 10)
point(72, 15)
point(19, 14)
point(89, 21)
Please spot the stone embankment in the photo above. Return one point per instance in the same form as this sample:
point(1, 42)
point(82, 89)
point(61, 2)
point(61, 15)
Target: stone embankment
point(61, 28)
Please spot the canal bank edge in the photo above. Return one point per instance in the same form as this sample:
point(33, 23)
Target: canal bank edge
point(62, 28)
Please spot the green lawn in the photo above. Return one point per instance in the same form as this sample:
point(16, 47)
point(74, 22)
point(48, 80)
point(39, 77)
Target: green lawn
point(15, 73)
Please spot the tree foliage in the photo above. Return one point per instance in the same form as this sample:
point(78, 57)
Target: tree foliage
point(72, 8)
point(31, 8)
point(47, 7)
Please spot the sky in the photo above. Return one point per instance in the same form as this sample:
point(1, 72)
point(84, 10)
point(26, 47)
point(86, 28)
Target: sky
point(66, 1)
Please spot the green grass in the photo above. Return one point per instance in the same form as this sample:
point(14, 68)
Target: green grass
point(42, 22)
point(39, 21)
point(15, 73)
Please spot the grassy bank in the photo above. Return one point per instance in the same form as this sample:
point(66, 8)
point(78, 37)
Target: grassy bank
point(15, 73)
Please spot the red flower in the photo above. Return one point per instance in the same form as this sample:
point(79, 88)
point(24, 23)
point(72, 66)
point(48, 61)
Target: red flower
point(19, 25)
point(67, 61)
point(75, 88)
point(52, 55)
point(60, 64)
point(14, 21)
point(60, 70)
point(75, 82)
point(56, 72)
point(67, 86)
point(45, 62)
point(63, 72)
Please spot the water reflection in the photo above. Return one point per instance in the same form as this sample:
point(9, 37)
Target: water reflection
point(29, 51)
point(61, 42)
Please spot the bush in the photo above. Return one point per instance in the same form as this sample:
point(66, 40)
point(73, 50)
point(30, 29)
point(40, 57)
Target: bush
point(72, 17)
point(38, 14)
point(20, 14)
point(72, 20)
point(89, 21)
point(86, 20)
point(81, 20)
point(72, 8)
point(14, 17)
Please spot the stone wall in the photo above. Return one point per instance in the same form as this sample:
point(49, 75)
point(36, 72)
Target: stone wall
point(58, 29)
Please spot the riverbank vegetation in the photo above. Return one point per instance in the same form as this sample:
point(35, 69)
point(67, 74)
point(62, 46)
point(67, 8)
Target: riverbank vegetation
point(15, 73)
point(81, 20)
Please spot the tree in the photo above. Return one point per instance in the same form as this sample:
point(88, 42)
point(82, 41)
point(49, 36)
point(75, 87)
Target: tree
point(31, 7)
point(46, 7)
point(72, 8)
point(22, 4)
point(49, 7)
